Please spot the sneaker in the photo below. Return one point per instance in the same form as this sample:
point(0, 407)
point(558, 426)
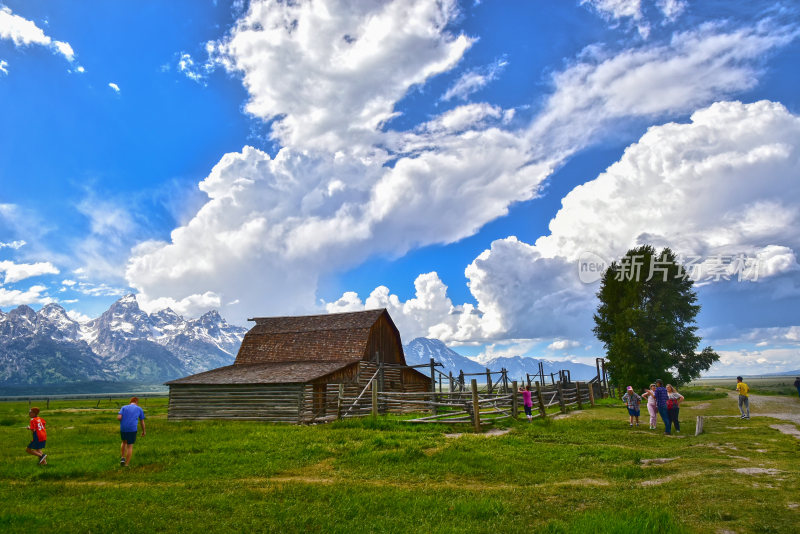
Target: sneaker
point(122, 461)
point(43, 460)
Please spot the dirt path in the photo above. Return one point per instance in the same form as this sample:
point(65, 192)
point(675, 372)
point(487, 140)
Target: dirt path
point(777, 407)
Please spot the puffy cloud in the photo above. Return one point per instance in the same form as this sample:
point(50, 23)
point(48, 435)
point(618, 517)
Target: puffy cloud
point(15, 297)
point(702, 188)
point(331, 71)
point(78, 316)
point(65, 50)
point(23, 32)
point(722, 183)
point(344, 188)
point(20, 271)
point(710, 182)
point(114, 86)
point(272, 225)
point(430, 313)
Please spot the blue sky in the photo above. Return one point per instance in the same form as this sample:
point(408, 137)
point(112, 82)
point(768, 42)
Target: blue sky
point(450, 161)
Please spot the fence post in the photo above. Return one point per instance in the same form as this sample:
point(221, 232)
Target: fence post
point(542, 409)
point(433, 386)
point(476, 408)
point(578, 395)
point(488, 381)
point(505, 380)
point(699, 428)
point(48, 403)
point(514, 401)
point(339, 402)
point(591, 393)
point(561, 397)
point(451, 381)
point(374, 398)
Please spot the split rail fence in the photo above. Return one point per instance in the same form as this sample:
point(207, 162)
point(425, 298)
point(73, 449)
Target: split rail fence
point(478, 407)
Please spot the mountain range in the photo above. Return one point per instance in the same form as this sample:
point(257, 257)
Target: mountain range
point(123, 344)
point(421, 350)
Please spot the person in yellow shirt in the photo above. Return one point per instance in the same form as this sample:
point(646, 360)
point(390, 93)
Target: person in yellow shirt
point(744, 398)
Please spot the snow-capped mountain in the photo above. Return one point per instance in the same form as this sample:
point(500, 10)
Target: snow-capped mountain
point(421, 350)
point(124, 343)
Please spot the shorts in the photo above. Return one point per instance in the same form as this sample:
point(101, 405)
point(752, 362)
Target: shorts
point(633, 412)
point(36, 444)
point(130, 437)
point(527, 410)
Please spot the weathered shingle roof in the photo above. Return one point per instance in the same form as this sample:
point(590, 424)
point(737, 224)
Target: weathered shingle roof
point(311, 338)
point(265, 373)
point(316, 323)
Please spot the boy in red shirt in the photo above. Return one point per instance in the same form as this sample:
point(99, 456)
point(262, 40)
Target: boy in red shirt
point(39, 436)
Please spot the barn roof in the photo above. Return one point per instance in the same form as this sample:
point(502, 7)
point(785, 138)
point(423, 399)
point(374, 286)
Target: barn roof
point(265, 373)
point(340, 337)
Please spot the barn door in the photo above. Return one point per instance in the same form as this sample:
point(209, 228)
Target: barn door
point(319, 399)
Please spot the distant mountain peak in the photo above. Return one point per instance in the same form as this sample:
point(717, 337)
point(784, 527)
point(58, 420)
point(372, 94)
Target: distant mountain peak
point(123, 343)
point(130, 298)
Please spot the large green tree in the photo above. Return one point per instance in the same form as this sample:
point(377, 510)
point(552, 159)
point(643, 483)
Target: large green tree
point(646, 320)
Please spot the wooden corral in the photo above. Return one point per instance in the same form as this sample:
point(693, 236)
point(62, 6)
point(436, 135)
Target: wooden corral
point(291, 368)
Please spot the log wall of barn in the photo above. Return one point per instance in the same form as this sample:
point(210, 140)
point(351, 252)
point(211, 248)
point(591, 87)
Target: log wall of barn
point(254, 402)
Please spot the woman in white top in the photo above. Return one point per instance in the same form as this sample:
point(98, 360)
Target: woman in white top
point(651, 405)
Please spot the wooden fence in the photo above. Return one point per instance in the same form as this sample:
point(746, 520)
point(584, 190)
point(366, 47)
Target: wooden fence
point(476, 407)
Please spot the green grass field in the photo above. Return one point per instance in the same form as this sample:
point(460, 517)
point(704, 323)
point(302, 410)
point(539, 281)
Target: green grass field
point(588, 472)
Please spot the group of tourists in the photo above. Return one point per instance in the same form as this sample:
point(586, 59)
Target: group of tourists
point(664, 401)
point(130, 417)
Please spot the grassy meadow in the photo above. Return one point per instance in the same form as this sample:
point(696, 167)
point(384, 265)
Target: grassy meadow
point(588, 472)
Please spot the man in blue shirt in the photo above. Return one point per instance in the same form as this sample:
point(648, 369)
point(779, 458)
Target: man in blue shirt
point(661, 403)
point(129, 416)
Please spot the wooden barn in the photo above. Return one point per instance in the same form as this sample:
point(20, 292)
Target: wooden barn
point(290, 369)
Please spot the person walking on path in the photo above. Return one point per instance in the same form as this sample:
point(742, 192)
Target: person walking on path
point(651, 405)
point(744, 397)
point(673, 405)
point(661, 403)
point(129, 416)
point(37, 426)
point(527, 402)
point(797, 385)
point(632, 401)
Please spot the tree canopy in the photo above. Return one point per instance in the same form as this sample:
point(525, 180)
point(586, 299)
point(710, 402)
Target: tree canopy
point(646, 320)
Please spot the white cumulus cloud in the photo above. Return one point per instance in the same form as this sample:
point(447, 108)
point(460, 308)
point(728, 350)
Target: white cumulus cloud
point(331, 70)
point(344, 187)
point(15, 297)
point(114, 86)
point(23, 32)
point(14, 272)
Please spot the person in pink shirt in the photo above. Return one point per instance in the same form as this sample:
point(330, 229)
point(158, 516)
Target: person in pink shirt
point(651, 405)
point(527, 401)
